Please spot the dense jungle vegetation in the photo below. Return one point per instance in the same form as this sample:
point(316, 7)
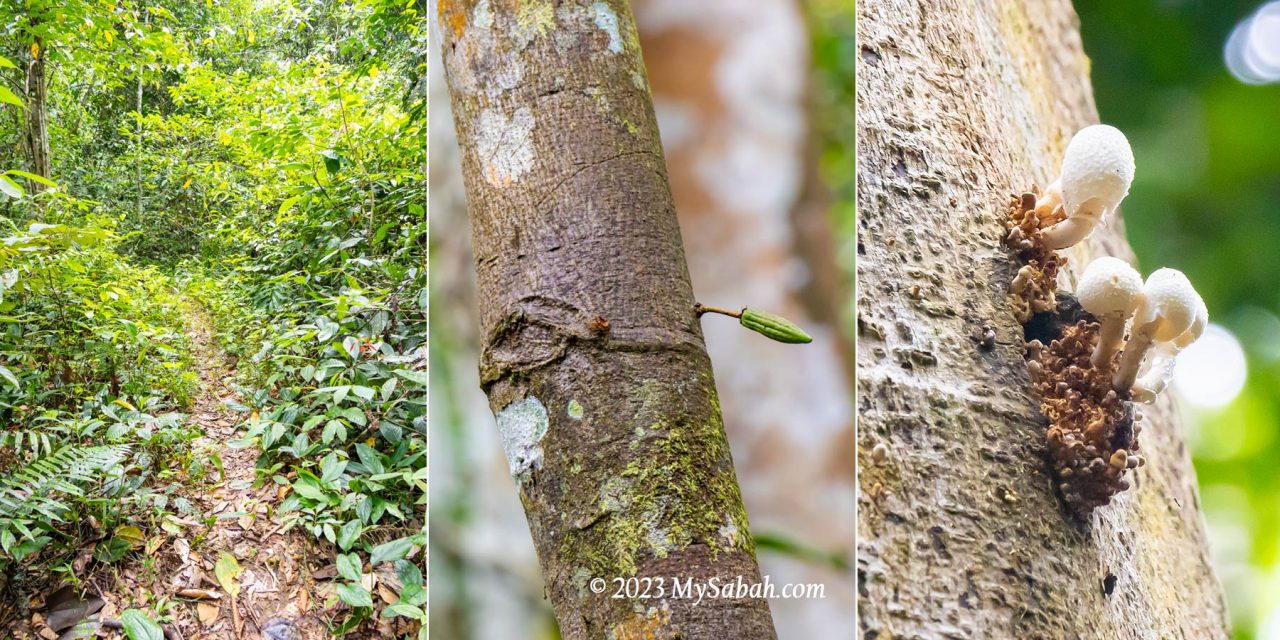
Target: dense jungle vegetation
point(248, 169)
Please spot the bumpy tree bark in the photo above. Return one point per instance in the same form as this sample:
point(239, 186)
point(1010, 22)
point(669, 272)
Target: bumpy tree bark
point(38, 115)
point(960, 531)
point(593, 359)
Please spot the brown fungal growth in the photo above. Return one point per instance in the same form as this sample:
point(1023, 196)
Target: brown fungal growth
point(1033, 289)
point(1092, 437)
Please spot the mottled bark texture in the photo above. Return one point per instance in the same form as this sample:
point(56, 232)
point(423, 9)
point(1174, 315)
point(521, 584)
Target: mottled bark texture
point(961, 534)
point(37, 108)
point(593, 360)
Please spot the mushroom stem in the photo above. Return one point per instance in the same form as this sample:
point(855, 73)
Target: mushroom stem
point(1067, 233)
point(1050, 200)
point(1155, 377)
point(1131, 357)
point(1109, 339)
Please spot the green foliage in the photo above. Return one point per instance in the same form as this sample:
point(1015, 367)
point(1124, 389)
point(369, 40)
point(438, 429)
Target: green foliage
point(31, 503)
point(263, 162)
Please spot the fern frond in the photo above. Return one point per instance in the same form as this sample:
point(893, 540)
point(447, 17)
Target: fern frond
point(27, 441)
point(35, 488)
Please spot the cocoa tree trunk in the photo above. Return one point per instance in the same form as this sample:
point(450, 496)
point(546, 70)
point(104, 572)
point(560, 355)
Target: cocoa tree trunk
point(961, 533)
point(38, 116)
point(593, 358)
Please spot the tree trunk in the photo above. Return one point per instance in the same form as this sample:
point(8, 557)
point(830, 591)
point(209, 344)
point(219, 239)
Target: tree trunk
point(961, 533)
point(38, 116)
point(593, 359)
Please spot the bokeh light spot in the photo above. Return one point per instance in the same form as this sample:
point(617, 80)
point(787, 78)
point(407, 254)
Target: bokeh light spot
point(1211, 372)
point(1252, 52)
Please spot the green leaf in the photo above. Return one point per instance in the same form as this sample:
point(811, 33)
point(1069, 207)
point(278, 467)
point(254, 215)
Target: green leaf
point(391, 551)
point(349, 566)
point(349, 533)
point(29, 547)
point(6, 64)
point(7, 96)
point(404, 610)
point(8, 375)
point(31, 176)
point(332, 162)
point(288, 204)
point(355, 595)
point(227, 571)
point(10, 188)
point(139, 626)
point(416, 377)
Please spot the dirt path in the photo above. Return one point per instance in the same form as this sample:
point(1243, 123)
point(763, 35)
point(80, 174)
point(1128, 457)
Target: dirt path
point(273, 577)
point(273, 582)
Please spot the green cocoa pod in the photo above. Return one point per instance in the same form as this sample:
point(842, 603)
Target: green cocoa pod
point(774, 327)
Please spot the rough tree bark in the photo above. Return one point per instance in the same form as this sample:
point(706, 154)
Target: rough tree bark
point(593, 359)
point(960, 531)
point(37, 106)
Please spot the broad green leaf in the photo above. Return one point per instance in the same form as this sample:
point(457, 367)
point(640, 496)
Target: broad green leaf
point(349, 566)
point(8, 376)
point(5, 63)
point(403, 610)
point(288, 204)
point(227, 571)
point(349, 534)
point(391, 551)
point(10, 188)
point(8, 97)
point(31, 176)
point(416, 377)
point(355, 595)
point(139, 626)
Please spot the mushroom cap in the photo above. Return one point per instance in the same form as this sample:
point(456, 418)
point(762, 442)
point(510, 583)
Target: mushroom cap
point(1170, 298)
point(1097, 170)
point(1109, 288)
point(1196, 329)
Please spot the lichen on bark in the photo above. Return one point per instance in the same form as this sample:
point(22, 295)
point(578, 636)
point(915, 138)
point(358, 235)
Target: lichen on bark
point(586, 306)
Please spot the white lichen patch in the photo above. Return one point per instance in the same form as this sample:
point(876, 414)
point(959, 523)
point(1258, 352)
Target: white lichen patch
point(507, 74)
point(522, 425)
point(504, 146)
point(729, 533)
point(615, 495)
point(575, 410)
point(607, 21)
point(581, 577)
point(482, 15)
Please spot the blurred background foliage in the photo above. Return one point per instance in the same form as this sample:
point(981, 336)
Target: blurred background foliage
point(831, 27)
point(1206, 200)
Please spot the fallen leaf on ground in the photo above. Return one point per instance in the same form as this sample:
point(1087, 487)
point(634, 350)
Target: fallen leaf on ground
point(208, 613)
point(227, 570)
point(200, 594)
point(66, 608)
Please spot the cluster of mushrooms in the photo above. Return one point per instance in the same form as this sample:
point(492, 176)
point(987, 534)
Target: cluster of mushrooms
point(1114, 342)
point(1164, 314)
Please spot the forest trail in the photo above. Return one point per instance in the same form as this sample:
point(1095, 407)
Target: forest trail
point(269, 570)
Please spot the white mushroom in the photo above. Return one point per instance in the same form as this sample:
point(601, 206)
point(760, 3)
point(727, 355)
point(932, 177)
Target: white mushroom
point(1158, 369)
point(1169, 307)
point(1097, 170)
point(1111, 290)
